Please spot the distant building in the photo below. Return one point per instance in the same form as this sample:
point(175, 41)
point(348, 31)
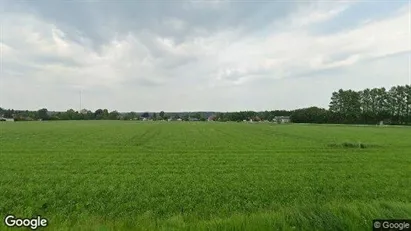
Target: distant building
point(83, 111)
point(6, 119)
point(211, 118)
point(282, 119)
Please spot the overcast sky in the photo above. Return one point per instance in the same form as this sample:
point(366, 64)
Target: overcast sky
point(198, 55)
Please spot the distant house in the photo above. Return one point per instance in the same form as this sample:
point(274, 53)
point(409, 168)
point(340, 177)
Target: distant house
point(282, 119)
point(211, 118)
point(6, 119)
point(83, 111)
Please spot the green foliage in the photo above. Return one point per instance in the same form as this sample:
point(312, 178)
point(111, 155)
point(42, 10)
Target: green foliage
point(372, 106)
point(162, 114)
point(114, 115)
point(185, 117)
point(99, 114)
point(42, 114)
point(310, 115)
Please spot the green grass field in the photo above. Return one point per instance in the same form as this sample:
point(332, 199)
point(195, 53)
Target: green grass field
point(114, 175)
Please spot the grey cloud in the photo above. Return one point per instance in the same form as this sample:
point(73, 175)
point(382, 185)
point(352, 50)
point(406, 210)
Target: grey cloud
point(101, 21)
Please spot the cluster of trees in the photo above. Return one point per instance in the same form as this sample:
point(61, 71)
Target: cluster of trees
point(44, 114)
point(369, 106)
point(23, 115)
point(99, 114)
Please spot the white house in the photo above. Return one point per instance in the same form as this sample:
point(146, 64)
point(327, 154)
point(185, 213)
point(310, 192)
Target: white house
point(282, 119)
point(6, 119)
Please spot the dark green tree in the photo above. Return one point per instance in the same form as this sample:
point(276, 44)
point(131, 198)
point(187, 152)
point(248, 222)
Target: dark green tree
point(114, 115)
point(43, 114)
point(162, 114)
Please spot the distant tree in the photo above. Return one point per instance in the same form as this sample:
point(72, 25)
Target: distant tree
point(264, 115)
point(8, 113)
point(185, 117)
point(347, 105)
point(114, 115)
point(310, 115)
point(196, 115)
point(89, 115)
point(71, 114)
point(43, 114)
point(105, 114)
point(98, 114)
point(162, 114)
point(145, 115)
point(154, 116)
point(130, 116)
point(408, 103)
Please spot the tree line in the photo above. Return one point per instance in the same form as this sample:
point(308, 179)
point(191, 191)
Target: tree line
point(368, 106)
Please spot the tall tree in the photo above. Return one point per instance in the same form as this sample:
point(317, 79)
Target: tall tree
point(105, 114)
point(114, 115)
point(347, 105)
point(43, 114)
point(98, 114)
point(408, 100)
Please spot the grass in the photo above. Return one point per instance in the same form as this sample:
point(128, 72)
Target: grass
point(115, 175)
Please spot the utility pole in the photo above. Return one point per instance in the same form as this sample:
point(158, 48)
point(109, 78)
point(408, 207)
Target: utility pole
point(80, 102)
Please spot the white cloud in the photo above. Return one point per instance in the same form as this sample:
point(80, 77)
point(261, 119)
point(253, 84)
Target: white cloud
point(316, 14)
point(298, 51)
